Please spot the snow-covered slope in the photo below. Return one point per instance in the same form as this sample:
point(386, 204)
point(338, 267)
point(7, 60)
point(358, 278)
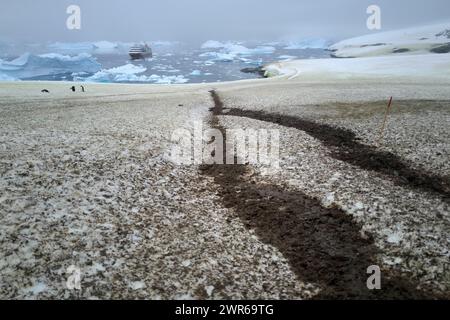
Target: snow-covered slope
point(406, 54)
point(405, 67)
point(418, 40)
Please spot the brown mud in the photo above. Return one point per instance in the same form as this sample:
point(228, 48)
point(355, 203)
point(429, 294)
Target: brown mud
point(343, 145)
point(322, 245)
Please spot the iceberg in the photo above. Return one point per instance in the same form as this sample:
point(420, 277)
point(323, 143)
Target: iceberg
point(71, 48)
point(218, 56)
point(29, 65)
point(125, 73)
point(241, 50)
point(65, 58)
point(130, 73)
point(16, 64)
point(250, 61)
point(213, 44)
point(308, 43)
point(196, 73)
point(100, 47)
point(263, 50)
point(230, 51)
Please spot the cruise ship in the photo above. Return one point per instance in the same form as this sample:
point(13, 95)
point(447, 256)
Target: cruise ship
point(140, 51)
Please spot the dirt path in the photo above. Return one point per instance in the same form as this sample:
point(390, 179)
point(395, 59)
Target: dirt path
point(323, 245)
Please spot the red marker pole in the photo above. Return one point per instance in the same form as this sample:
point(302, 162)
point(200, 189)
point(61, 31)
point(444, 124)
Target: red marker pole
point(388, 109)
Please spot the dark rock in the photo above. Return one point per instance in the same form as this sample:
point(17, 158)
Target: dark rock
point(337, 57)
point(373, 45)
point(445, 48)
point(257, 70)
point(445, 33)
point(400, 50)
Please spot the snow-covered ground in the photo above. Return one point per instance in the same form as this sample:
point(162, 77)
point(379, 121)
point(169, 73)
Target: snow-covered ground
point(417, 40)
point(414, 52)
point(425, 65)
point(85, 183)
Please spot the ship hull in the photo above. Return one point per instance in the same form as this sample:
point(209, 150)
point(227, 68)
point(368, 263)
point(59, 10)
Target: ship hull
point(140, 56)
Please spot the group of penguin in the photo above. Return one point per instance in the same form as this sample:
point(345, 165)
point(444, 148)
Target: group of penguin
point(73, 88)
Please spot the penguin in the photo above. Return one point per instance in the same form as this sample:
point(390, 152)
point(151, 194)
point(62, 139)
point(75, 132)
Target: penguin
point(72, 88)
point(82, 88)
point(45, 91)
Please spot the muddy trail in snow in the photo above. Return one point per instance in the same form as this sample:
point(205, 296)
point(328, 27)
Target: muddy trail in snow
point(343, 145)
point(323, 245)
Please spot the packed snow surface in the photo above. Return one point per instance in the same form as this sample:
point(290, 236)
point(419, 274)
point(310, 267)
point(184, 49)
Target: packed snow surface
point(417, 40)
point(437, 65)
point(414, 52)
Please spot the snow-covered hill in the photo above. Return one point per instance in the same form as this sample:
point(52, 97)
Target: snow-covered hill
point(407, 54)
point(419, 40)
point(435, 66)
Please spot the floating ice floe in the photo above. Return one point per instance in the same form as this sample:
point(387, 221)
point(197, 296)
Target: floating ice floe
point(131, 73)
point(167, 79)
point(196, 73)
point(308, 43)
point(125, 73)
point(99, 47)
point(230, 51)
point(218, 56)
point(127, 69)
point(257, 62)
point(236, 49)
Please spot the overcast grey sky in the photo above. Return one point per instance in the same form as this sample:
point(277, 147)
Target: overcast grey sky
point(199, 20)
